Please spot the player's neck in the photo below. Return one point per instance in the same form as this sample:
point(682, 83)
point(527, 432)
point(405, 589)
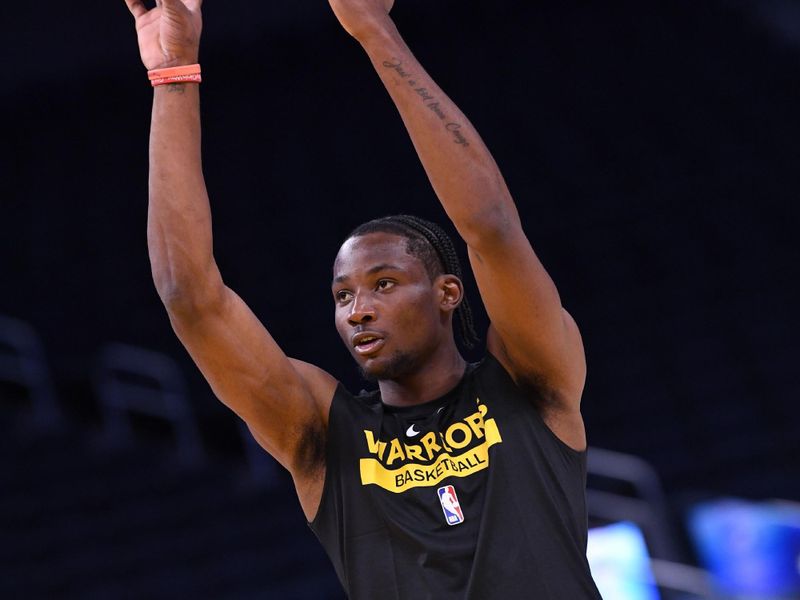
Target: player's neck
point(439, 374)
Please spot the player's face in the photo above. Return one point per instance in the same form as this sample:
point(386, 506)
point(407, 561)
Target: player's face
point(387, 307)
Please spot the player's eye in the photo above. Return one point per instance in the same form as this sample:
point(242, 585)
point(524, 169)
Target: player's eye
point(343, 295)
point(384, 284)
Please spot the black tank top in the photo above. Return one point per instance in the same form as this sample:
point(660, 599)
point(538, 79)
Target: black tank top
point(468, 496)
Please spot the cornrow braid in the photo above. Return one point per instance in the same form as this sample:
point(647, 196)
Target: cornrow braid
point(431, 244)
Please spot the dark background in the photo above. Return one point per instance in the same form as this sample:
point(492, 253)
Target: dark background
point(651, 148)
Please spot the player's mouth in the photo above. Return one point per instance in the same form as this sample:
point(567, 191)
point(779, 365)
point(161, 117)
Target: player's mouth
point(367, 342)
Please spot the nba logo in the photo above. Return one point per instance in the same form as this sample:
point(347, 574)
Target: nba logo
point(450, 505)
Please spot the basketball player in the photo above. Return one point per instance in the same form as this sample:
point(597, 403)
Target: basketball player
point(452, 480)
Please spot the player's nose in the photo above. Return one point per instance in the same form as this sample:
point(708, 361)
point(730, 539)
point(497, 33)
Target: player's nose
point(362, 310)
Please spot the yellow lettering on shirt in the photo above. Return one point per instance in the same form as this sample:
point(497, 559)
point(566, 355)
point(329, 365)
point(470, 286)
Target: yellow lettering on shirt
point(462, 451)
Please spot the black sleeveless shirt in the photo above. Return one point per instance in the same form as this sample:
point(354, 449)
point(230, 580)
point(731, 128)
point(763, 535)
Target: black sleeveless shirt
point(468, 496)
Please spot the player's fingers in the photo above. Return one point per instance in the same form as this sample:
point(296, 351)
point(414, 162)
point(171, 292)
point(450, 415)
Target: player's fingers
point(183, 7)
point(136, 7)
point(178, 5)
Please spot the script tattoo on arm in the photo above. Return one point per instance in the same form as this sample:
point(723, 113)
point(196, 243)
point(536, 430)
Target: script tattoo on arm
point(429, 100)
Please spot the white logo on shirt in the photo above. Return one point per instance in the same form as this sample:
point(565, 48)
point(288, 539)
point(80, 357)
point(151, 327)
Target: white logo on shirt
point(411, 432)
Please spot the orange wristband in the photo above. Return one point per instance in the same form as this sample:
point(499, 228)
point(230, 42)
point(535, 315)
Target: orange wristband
point(183, 74)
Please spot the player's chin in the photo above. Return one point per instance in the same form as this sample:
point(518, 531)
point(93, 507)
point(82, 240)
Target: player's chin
point(370, 368)
point(383, 367)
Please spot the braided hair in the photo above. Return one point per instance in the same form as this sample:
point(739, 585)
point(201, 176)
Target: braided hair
point(430, 244)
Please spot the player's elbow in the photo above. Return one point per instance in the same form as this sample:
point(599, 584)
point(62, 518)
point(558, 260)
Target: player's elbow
point(184, 296)
point(490, 227)
point(176, 299)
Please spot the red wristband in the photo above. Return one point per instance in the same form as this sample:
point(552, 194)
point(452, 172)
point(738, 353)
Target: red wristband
point(183, 74)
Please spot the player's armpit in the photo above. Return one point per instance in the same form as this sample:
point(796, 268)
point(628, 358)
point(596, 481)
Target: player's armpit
point(559, 412)
point(531, 334)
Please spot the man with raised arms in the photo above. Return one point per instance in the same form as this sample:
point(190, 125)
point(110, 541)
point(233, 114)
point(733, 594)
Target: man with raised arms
point(451, 480)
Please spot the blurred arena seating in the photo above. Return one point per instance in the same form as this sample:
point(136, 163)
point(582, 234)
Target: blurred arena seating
point(149, 516)
point(23, 364)
point(131, 380)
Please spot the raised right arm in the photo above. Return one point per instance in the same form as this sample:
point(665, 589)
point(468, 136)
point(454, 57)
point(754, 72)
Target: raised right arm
point(283, 401)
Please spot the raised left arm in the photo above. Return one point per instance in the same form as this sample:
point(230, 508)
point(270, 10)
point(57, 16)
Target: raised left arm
point(530, 333)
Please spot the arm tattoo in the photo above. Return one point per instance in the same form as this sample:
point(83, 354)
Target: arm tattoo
point(428, 100)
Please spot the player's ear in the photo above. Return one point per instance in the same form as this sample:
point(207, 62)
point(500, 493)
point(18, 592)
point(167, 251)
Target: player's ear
point(451, 292)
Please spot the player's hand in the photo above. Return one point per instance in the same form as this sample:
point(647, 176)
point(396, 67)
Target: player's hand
point(360, 17)
point(169, 33)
